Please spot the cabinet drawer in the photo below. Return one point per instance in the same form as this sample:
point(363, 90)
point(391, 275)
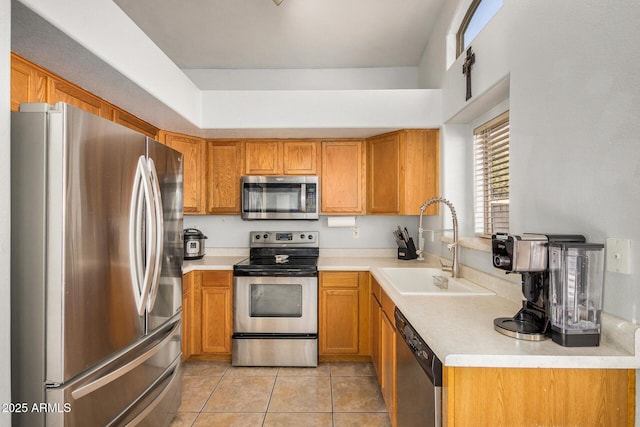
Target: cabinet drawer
point(339, 279)
point(219, 279)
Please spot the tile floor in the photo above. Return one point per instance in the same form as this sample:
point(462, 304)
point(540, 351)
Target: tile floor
point(331, 395)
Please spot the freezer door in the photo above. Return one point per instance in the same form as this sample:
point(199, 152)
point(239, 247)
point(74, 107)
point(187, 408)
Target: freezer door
point(91, 308)
point(166, 295)
point(142, 387)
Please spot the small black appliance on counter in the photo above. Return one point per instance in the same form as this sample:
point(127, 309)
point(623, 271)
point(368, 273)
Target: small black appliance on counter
point(527, 254)
point(193, 244)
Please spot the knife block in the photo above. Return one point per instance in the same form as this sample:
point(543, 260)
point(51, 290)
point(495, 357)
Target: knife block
point(409, 252)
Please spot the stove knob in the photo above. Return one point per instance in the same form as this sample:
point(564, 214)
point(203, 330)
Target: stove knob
point(257, 237)
point(310, 237)
point(302, 236)
point(266, 236)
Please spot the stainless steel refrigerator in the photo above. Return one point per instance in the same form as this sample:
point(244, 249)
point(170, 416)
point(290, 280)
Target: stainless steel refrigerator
point(96, 282)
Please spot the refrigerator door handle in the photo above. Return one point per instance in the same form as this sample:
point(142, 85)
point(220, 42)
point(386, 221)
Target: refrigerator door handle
point(114, 375)
point(159, 232)
point(141, 209)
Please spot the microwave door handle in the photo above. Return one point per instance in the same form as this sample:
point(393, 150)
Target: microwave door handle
point(303, 198)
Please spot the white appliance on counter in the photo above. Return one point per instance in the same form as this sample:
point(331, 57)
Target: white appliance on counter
point(96, 282)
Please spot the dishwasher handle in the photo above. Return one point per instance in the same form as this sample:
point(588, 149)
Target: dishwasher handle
point(426, 357)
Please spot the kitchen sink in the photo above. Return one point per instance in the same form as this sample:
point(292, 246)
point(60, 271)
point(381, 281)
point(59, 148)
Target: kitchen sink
point(430, 281)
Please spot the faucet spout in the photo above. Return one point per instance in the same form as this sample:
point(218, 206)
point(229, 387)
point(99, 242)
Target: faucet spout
point(453, 247)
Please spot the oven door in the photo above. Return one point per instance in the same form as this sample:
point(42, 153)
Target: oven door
point(275, 305)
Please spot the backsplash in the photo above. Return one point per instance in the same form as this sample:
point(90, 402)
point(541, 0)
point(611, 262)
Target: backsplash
point(374, 231)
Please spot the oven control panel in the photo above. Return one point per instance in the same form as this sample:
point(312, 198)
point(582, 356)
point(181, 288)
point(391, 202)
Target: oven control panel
point(284, 238)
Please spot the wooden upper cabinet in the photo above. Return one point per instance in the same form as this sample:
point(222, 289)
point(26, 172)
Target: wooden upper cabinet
point(301, 157)
point(343, 177)
point(193, 152)
point(402, 172)
point(282, 157)
point(133, 122)
point(263, 157)
point(31, 83)
point(60, 90)
point(224, 169)
point(28, 83)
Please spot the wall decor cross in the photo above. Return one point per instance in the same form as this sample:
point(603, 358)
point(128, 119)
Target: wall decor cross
point(466, 69)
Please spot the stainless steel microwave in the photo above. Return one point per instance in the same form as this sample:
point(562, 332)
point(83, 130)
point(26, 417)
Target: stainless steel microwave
point(280, 197)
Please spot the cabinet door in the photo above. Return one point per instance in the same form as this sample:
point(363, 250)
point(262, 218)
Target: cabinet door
point(420, 174)
point(301, 157)
point(217, 312)
point(62, 91)
point(224, 169)
point(187, 314)
point(383, 173)
point(344, 314)
point(376, 332)
point(133, 122)
point(342, 179)
point(263, 157)
point(388, 364)
point(28, 83)
point(192, 150)
point(339, 326)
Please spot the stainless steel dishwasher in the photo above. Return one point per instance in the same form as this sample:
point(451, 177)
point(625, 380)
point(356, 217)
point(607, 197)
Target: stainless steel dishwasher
point(419, 379)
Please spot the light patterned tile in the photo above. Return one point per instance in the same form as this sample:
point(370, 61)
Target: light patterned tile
point(322, 370)
point(229, 420)
point(183, 419)
point(356, 394)
point(204, 368)
point(196, 391)
point(359, 419)
point(297, 419)
point(251, 371)
point(352, 370)
point(241, 394)
point(301, 394)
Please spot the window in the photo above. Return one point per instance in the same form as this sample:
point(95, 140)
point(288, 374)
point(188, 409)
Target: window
point(491, 175)
point(478, 15)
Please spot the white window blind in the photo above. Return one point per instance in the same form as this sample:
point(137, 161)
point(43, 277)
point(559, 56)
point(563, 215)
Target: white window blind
point(491, 175)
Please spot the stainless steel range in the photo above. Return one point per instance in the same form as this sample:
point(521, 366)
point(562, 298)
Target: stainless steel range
point(276, 301)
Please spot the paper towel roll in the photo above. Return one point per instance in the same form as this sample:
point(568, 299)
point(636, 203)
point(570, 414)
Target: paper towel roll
point(341, 221)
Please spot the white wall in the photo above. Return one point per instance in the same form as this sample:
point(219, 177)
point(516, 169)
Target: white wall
point(570, 73)
point(306, 79)
point(375, 230)
point(5, 214)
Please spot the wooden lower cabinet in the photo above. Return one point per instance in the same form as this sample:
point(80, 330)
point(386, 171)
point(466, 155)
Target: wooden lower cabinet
point(343, 331)
point(217, 312)
point(549, 397)
point(187, 314)
point(383, 345)
point(210, 325)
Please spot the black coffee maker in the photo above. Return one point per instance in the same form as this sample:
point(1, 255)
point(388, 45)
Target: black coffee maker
point(527, 254)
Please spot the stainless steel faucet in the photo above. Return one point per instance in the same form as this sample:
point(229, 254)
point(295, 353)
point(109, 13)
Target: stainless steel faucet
point(453, 247)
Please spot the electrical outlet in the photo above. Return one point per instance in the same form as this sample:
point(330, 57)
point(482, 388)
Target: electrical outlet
point(356, 232)
point(618, 254)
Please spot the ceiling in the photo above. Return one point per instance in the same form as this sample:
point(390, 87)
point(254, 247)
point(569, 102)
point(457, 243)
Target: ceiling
point(298, 34)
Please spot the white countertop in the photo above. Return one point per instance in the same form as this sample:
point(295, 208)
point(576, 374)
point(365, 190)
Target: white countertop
point(459, 329)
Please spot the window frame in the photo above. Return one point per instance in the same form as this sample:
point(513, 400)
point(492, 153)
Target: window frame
point(463, 26)
point(483, 198)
